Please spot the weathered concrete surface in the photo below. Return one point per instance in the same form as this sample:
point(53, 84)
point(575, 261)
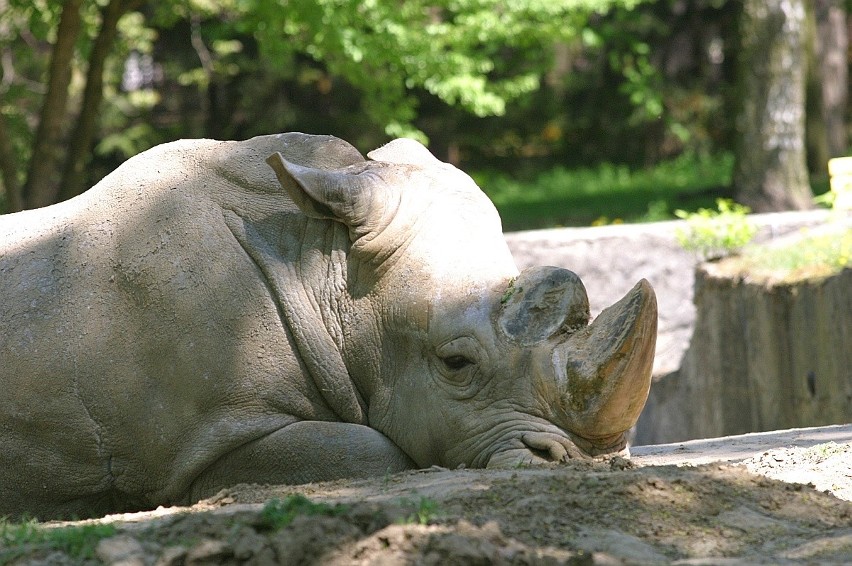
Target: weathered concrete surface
point(764, 355)
point(820, 457)
point(737, 448)
point(609, 260)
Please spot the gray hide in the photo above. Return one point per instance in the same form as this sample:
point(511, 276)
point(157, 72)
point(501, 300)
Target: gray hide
point(202, 318)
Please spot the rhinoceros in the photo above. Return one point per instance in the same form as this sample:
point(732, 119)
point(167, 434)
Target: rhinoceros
point(283, 310)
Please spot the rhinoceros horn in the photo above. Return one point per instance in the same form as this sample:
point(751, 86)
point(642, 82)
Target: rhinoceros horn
point(602, 371)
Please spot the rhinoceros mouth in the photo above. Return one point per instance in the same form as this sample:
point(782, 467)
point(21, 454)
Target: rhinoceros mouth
point(534, 448)
point(608, 446)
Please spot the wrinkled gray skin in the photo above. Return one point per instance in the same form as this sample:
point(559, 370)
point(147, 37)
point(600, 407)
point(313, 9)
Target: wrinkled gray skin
point(201, 318)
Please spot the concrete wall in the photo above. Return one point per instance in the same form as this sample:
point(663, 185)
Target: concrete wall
point(763, 356)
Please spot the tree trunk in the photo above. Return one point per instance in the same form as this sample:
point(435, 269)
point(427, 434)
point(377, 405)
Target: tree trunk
point(815, 126)
point(8, 159)
point(827, 90)
point(74, 174)
point(41, 186)
point(831, 48)
point(772, 356)
point(9, 170)
point(771, 171)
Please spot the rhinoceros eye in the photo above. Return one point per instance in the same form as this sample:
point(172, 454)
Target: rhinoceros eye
point(456, 363)
point(457, 359)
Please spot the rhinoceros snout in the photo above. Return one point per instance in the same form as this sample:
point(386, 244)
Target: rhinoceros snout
point(596, 376)
point(537, 448)
point(552, 447)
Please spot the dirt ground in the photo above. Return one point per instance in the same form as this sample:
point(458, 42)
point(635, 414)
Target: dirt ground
point(773, 498)
point(767, 498)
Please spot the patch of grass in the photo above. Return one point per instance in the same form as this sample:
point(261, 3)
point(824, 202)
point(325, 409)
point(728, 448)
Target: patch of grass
point(79, 542)
point(279, 513)
point(812, 256)
point(608, 193)
point(824, 451)
point(510, 290)
point(425, 511)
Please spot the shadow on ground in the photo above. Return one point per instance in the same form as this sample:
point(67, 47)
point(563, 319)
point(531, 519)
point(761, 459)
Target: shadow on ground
point(612, 512)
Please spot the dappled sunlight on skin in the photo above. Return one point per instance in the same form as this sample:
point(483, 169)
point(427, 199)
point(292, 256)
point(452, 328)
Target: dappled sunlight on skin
point(284, 324)
point(103, 268)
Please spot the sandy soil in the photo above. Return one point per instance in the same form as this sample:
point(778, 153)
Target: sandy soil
point(770, 498)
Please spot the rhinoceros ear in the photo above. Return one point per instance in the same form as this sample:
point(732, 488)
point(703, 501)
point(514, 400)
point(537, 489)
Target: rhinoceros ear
point(344, 195)
point(306, 186)
point(405, 151)
point(541, 302)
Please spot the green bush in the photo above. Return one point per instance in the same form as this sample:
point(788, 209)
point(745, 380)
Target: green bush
point(716, 233)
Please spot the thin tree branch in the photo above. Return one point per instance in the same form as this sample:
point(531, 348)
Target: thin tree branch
point(9, 170)
point(200, 47)
point(74, 175)
point(40, 189)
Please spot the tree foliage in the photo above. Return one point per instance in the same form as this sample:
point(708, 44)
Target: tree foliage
point(528, 84)
point(478, 55)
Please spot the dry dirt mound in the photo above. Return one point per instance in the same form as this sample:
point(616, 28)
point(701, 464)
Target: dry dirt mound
point(577, 513)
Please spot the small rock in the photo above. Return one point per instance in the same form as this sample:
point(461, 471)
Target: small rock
point(172, 556)
point(619, 463)
point(208, 551)
point(250, 545)
point(121, 550)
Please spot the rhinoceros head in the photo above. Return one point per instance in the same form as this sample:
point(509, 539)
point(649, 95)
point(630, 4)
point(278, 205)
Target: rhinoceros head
point(460, 359)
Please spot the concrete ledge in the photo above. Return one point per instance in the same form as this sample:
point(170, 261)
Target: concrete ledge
point(737, 448)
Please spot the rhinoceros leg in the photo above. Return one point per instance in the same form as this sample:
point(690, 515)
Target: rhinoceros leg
point(306, 451)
